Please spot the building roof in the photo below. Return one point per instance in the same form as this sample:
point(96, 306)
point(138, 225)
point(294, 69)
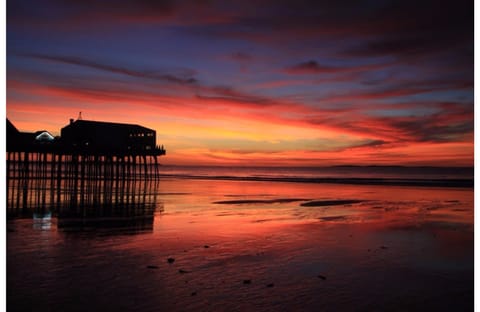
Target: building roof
point(44, 136)
point(109, 125)
point(11, 129)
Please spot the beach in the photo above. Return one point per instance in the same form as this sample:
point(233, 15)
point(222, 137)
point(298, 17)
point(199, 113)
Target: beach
point(213, 244)
point(239, 156)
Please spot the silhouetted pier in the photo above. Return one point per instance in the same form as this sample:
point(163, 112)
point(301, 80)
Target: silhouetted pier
point(95, 172)
point(55, 164)
point(86, 150)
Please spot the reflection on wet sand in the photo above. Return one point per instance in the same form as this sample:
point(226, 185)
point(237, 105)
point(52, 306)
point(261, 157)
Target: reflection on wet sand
point(86, 203)
point(394, 248)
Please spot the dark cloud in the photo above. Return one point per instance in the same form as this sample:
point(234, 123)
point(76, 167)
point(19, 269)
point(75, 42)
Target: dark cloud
point(201, 91)
point(34, 11)
point(312, 67)
point(432, 130)
point(155, 75)
point(246, 151)
point(230, 95)
point(159, 7)
point(451, 122)
point(416, 28)
point(109, 15)
point(241, 56)
point(402, 88)
point(373, 143)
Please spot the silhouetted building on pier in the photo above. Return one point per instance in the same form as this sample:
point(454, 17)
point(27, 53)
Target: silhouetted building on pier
point(22, 141)
point(85, 150)
point(13, 137)
point(107, 136)
point(88, 138)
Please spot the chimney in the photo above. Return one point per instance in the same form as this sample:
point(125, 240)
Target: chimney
point(71, 120)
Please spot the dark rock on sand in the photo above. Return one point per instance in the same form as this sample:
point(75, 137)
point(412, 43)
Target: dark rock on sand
point(321, 203)
point(206, 246)
point(152, 267)
point(333, 218)
point(171, 260)
point(183, 271)
point(260, 201)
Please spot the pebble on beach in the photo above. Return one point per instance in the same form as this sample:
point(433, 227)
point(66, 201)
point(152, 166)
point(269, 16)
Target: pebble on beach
point(152, 267)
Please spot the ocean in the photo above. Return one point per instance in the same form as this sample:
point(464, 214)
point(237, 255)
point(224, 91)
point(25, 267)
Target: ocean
point(394, 175)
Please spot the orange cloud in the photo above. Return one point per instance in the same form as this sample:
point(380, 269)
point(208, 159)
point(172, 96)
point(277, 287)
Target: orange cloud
point(198, 129)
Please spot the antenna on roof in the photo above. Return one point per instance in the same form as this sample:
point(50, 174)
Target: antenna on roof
point(79, 116)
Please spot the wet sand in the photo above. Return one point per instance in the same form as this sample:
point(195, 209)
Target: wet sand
point(371, 248)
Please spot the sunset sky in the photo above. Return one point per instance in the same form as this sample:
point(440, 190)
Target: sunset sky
point(253, 82)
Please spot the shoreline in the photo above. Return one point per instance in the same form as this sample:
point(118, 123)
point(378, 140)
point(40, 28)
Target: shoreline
point(450, 183)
